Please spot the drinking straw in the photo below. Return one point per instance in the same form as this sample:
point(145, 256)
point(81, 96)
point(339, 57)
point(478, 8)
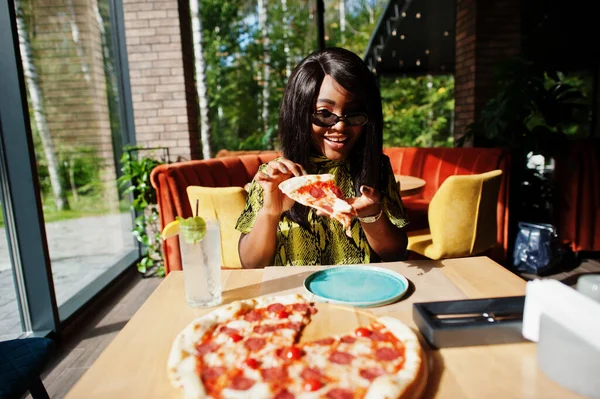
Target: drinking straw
point(197, 202)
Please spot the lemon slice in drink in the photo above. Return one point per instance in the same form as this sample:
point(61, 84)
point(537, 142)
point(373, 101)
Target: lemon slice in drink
point(193, 229)
point(170, 230)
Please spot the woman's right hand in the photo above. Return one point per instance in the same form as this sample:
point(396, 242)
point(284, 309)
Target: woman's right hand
point(275, 202)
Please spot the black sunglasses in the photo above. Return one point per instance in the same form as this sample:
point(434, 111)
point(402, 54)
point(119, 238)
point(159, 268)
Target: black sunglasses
point(325, 118)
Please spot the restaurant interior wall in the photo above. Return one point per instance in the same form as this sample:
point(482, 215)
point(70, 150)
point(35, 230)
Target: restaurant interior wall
point(487, 33)
point(161, 70)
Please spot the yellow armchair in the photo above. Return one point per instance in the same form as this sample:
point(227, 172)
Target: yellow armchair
point(224, 204)
point(462, 217)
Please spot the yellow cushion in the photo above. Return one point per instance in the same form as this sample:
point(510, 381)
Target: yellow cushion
point(462, 217)
point(224, 204)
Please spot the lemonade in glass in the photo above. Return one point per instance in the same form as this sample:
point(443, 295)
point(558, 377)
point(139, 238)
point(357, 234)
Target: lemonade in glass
point(200, 246)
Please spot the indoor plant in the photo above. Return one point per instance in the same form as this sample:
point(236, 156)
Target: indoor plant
point(135, 179)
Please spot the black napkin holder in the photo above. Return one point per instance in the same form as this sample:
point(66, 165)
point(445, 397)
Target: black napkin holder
point(471, 322)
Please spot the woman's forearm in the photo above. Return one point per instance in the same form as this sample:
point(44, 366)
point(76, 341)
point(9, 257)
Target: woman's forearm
point(257, 248)
point(387, 240)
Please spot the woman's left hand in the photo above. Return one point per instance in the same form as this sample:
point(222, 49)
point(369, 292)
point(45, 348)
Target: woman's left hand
point(368, 204)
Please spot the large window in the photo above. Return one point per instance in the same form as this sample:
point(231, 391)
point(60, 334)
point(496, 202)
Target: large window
point(75, 123)
point(10, 319)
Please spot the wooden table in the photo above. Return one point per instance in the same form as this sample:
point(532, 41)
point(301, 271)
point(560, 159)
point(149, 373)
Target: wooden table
point(410, 185)
point(134, 364)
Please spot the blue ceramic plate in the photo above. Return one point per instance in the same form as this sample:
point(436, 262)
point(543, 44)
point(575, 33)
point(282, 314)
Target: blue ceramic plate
point(359, 285)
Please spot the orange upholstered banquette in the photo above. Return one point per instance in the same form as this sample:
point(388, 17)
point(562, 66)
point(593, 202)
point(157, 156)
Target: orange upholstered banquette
point(433, 165)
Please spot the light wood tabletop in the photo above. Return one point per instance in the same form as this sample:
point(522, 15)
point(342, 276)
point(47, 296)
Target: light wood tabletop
point(410, 185)
point(134, 364)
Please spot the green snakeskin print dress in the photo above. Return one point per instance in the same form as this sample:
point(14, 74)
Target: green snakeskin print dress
point(326, 242)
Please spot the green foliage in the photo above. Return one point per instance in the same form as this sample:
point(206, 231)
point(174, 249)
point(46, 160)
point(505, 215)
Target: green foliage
point(135, 179)
point(361, 20)
point(415, 114)
point(80, 170)
point(532, 110)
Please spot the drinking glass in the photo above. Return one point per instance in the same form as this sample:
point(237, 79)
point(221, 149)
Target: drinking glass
point(201, 263)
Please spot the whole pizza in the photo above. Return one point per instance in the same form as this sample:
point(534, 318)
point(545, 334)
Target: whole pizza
point(251, 349)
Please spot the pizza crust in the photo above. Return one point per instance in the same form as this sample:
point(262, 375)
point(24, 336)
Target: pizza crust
point(181, 365)
point(400, 385)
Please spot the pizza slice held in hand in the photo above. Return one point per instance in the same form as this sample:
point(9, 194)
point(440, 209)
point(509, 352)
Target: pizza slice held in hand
point(320, 192)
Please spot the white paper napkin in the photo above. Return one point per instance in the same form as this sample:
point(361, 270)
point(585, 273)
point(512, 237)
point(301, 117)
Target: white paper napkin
point(568, 307)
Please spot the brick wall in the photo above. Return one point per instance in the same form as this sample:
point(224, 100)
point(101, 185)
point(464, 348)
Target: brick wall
point(159, 69)
point(487, 32)
point(464, 83)
point(68, 53)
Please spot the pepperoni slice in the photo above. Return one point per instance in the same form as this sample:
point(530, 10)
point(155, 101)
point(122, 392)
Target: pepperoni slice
point(292, 325)
point(266, 328)
point(371, 373)
point(340, 393)
point(311, 373)
point(253, 315)
point(212, 373)
point(341, 358)
point(387, 354)
point(348, 339)
point(325, 341)
point(285, 394)
point(255, 343)
point(241, 383)
point(316, 192)
point(228, 331)
point(275, 307)
point(206, 347)
point(377, 335)
point(338, 193)
point(274, 374)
